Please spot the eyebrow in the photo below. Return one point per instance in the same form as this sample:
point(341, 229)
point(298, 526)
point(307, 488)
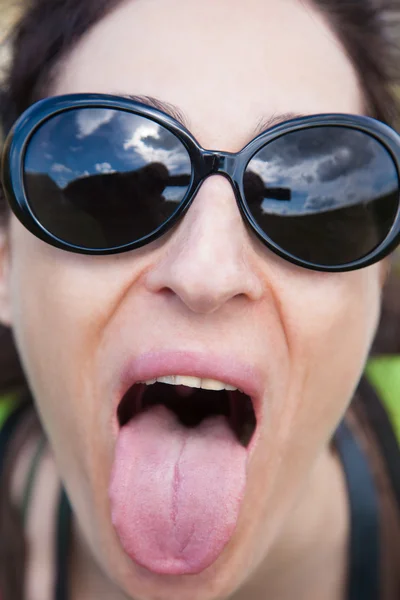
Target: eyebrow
point(170, 109)
point(276, 119)
point(176, 113)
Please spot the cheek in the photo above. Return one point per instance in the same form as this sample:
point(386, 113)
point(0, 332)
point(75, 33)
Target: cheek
point(329, 322)
point(330, 326)
point(61, 304)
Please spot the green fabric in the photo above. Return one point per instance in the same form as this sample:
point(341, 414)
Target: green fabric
point(384, 374)
point(7, 405)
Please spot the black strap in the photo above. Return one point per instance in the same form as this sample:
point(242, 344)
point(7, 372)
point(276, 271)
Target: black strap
point(28, 489)
point(7, 430)
point(383, 430)
point(363, 581)
point(63, 532)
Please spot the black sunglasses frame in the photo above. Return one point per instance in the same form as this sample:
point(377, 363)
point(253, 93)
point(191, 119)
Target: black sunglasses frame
point(204, 163)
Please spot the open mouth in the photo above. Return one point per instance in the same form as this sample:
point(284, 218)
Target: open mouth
point(180, 470)
point(192, 400)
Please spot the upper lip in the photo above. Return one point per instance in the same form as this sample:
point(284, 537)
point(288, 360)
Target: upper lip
point(226, 369)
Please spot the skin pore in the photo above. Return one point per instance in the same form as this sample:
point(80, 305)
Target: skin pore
point(208, 287)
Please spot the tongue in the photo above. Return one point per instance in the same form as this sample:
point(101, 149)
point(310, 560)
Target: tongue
point(175, 492)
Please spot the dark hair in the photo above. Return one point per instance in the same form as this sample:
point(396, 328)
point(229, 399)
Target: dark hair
point(49, 29)
point(43, 36)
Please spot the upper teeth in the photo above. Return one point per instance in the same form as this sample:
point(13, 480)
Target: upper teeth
point(193, 382)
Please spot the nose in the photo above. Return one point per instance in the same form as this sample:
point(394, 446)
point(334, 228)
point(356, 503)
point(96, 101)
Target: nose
point(207, 261)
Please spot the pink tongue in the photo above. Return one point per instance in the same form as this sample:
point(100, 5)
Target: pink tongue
point(176, 492)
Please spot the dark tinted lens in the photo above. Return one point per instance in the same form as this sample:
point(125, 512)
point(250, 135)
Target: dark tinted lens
point(327, 195)
point(100, 178)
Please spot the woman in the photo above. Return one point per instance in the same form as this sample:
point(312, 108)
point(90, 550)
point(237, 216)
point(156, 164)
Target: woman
point(193, 324)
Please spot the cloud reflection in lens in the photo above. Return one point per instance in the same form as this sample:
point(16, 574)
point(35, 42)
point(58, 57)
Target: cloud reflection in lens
point(100, 177)
point(343, 188)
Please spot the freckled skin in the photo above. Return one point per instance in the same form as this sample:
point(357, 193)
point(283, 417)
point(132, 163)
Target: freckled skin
point(207, 285)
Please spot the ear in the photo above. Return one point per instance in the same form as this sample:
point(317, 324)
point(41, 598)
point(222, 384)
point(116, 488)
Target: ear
point(5, 304)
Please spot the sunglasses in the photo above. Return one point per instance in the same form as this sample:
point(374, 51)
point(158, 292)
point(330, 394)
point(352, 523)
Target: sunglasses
point(100, 174)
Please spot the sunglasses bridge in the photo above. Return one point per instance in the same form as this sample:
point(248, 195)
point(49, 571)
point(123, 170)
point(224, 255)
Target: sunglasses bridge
point(221, 163)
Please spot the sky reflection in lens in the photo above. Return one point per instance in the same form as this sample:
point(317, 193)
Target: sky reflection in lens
point(323, 169)
point(326, 195)
point(104, 178)
point(93, 141)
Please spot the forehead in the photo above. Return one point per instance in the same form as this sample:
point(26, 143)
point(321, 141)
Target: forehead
point(227, 64)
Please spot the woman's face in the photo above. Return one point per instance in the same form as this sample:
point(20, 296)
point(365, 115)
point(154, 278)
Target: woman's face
point(207, 300)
